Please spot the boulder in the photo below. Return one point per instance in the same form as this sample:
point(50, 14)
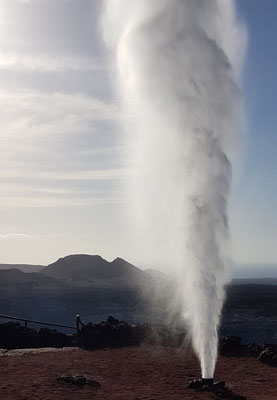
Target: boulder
point(254, 350)
point(268, 356)
point(231, 346)
point(53, 338)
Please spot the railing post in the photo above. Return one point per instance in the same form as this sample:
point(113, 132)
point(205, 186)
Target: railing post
point(26, 333)
point(78, 329)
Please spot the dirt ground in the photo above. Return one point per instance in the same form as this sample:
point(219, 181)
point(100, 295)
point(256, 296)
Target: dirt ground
point(133, 373)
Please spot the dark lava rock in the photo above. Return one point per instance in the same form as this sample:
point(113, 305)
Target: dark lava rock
point(79, 380)
point(113, 333)
point(219, 384)
point(93, 382)
point(205, 383)
point(110, 333)
point(15, 336)
point(53, 338)
point(269, 356)
point(195, 384)
point(231, 346)
point(218, 388)
point(254, 350)
point(113, 321)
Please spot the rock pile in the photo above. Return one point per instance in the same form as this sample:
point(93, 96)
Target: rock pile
point(115, 333)
point(112, 333)
point(231, 346)
point(15, 336)
point(269, 355)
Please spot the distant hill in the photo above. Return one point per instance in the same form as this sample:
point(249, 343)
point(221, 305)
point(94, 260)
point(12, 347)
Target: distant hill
point(94, 271)
point(14, 278)
point(77, 271)
point(23, 267)
point(83, 270)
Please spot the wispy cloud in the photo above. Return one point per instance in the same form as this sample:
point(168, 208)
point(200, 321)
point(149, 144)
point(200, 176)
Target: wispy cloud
point(82, 175)
point(49, 140)
point(14, 236)
point(33, 113)
point(57, 125)
point(29, 201)
point(48, 63)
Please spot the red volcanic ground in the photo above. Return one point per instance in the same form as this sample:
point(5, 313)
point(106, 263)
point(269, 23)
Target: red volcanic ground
point(133, 373)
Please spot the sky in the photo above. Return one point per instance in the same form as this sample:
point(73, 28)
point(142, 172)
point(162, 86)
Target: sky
point(253, 214)
point(62, 160)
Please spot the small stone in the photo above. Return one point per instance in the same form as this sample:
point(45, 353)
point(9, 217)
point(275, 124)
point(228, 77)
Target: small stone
point(268, 356)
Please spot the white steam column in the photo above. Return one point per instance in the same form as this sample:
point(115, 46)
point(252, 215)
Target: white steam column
point(178, 65)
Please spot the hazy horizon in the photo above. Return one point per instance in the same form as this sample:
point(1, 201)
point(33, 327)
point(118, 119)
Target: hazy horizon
point(237, 271)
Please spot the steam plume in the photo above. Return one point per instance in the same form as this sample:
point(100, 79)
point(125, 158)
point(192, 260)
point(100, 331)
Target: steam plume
point(178, 64)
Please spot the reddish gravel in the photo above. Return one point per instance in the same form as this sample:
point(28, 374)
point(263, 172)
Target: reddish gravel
point(133, 373)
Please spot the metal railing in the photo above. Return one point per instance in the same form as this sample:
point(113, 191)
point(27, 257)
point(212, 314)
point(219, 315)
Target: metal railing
point(31, 321)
